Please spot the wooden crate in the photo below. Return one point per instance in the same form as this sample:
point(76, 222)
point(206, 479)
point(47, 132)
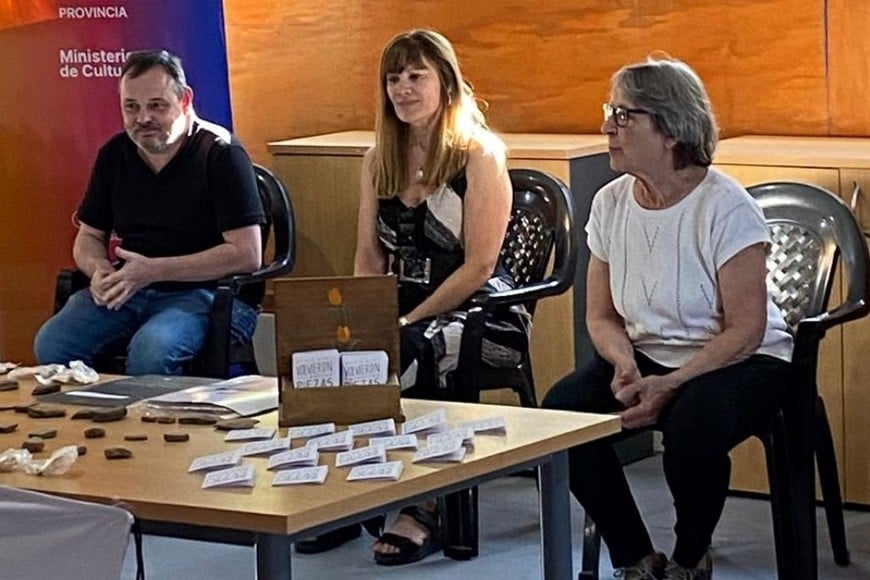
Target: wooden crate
point(346, 313)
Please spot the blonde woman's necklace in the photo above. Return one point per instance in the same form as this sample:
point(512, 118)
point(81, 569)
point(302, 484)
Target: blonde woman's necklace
point(418, 175)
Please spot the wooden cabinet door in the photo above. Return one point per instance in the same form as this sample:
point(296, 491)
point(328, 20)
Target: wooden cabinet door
point(749, 472)
point(324, 190)
point(856, 366)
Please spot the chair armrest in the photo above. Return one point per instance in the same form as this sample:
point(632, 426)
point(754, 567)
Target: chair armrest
point(235, 281)
point(550, 286)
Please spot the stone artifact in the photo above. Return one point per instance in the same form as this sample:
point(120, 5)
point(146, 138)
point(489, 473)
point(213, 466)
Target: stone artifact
point(33, 445)
point(94, 432)
point(109, 414)
point(44, 434)
point(117, 453)
point(197, 419)
point(82, 449)
point(8, 385)
point(136, 437)
point(8, 427)
point(46, 389)
point(41, 411)
point(86, 413)
point(166, 420)
point(176, 437)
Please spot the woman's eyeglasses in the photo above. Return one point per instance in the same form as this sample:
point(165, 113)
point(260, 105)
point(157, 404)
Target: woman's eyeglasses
point(621, 115)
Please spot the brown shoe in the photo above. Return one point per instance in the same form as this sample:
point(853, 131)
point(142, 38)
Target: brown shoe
point(650, 568)
point(704, 570)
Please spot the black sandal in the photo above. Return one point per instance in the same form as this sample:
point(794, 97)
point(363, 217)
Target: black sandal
point(410, 551)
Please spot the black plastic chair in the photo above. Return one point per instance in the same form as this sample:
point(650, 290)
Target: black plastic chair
point(541, 227)
point(220, 357)
point(812, 234)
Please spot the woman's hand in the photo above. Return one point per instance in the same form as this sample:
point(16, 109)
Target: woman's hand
point(624, 374)
point(645, 399)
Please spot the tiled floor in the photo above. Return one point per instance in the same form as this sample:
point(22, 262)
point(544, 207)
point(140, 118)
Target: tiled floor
point(743, 544)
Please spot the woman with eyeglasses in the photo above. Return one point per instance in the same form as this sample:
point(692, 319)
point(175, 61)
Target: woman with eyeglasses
point(687, 339)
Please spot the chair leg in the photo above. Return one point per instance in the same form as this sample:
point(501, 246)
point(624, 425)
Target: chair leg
point(591, 550)
point(460, 521)
point(830, 482)
point(775, 450)
point(800, 425)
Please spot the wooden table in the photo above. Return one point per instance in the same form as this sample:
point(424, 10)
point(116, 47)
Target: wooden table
point(157, 487)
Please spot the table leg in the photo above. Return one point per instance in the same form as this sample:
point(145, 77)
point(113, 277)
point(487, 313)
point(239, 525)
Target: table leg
point(273, 557)
point(555, 519)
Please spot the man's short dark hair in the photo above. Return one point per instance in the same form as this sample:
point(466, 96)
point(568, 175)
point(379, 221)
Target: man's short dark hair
point(141, 61)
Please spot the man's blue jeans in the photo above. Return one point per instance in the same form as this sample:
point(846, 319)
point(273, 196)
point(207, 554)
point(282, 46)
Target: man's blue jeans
point(162, 330)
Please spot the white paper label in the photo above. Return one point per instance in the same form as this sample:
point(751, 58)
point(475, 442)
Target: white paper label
point(391, 470)
point(241, 476)
point(301, 457)
point(302, 475)
point(370, 454)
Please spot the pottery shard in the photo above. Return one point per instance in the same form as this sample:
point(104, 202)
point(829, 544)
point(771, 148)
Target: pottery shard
point(8, 427)
point(167, 420)
point(118, 453)
point(197, 419)
point(40, 411)
point(86, 413)
point(94, 432)
point(33, 445)
point(44, 434)
point(175, 437)
point(8, 385)
point(148, 418)
point(136, 437)
point(232, 424)
point(23, 408)
point(46, 389)
point(82, 450)
point(109, 414)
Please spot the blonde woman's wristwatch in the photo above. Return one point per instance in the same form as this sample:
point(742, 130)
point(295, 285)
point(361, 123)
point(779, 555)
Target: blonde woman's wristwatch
point(403, 321)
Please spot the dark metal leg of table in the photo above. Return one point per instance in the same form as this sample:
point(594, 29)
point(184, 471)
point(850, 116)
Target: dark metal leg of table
point(556, 519)
point(273, 557)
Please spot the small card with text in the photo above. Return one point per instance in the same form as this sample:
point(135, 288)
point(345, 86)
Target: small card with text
point(266, 447)
point(302, 475)
point(395, 442)
point(391, 470)
point(432, 422)
point(467, 434)
point(239, 476)
point(250, 434)
point(300, 457)
point(316, 368)
point(491, 425)
point(216, 461)
point(450, 449)
point(364, 367)
point(379, 427)
point(341, 441)
point(308, 431)
point(370, 454)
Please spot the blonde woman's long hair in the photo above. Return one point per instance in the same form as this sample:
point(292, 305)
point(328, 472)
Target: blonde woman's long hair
point(458, 120)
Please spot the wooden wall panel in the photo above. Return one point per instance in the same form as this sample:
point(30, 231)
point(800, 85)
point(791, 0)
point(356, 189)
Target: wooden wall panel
point(300, 68)
point(849, 66)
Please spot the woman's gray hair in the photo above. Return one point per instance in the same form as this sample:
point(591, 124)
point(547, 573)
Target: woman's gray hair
point(678, 101)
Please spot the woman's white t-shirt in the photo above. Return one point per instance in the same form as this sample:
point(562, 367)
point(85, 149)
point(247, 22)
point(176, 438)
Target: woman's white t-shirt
point(664, 263)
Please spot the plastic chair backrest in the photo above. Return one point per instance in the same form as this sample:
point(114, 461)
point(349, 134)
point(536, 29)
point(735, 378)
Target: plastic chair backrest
point(813, 232)
point(43, 536)
point(540, 225)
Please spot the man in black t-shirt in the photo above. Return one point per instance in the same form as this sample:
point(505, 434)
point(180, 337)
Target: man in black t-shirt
point(181, 195)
